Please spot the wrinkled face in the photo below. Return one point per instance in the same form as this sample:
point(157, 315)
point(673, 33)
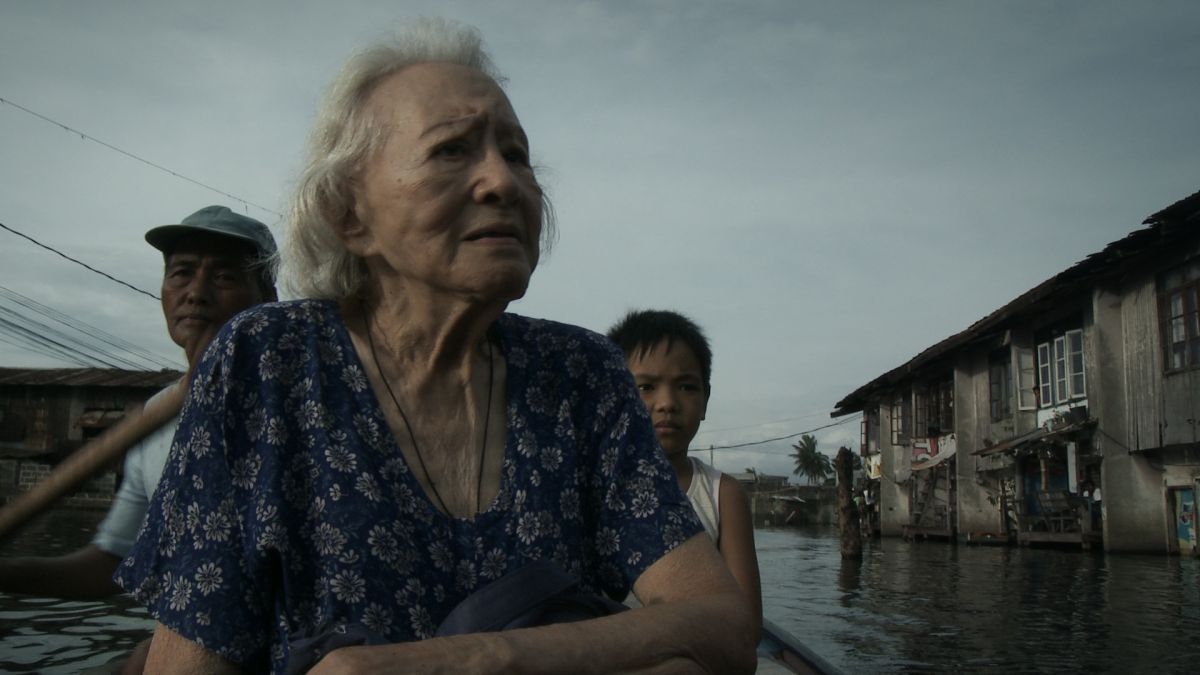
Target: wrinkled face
point(206, 282)
point(450, 202)
point(672, 387)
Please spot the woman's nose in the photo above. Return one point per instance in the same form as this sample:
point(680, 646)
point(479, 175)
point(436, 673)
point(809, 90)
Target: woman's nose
point(497, 181)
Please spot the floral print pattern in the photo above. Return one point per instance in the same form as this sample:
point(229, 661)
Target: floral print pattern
point(286, 508)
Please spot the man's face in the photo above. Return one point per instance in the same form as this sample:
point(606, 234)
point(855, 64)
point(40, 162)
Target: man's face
point(672, 387)
point(207, 280)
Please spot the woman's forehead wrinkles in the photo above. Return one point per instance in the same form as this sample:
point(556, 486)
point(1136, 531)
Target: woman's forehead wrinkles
point(461, 121)
point(505, 124)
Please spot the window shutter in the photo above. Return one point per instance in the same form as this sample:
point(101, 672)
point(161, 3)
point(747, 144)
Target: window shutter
point(1077, 381)
point(1026, 379)
point(1045, 378)
point(1061, 390)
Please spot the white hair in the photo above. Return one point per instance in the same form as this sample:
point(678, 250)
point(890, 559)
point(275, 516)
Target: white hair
point(313, 260)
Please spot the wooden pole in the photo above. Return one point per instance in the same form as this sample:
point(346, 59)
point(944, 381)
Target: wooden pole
point(89, 460)
point(848, 524)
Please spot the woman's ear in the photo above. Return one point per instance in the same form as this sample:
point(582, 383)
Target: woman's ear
point(351, 228)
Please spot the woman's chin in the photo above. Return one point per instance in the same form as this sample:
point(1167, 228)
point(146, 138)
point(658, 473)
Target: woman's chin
point(503, 287)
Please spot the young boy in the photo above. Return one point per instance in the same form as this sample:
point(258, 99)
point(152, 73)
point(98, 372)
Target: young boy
point(671, 364)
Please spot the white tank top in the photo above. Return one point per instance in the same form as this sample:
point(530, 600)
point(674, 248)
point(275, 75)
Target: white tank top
point(705, 495)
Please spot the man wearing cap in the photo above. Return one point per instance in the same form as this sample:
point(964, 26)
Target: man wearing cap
point(216, 265)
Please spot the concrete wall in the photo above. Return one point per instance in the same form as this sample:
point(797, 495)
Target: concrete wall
point(895, 470)
point(18, 476)
point(1179, 412)
point(1121, 365)
point(978, 507)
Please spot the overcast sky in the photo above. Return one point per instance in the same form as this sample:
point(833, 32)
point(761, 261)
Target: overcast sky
point(827, 188)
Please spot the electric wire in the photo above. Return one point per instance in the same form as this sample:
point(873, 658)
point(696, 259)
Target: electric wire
point(130, 155)
point(763, 424)
point(24, 343)
point(62, 351)
point(780, 438)
point(89, 330)
point(45, 331)
point(76, 342)
point(78, 262)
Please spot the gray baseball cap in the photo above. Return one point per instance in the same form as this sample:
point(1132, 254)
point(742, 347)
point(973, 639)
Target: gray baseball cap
point(218, 220)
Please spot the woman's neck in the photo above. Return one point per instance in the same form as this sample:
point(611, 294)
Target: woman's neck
point(427, 334)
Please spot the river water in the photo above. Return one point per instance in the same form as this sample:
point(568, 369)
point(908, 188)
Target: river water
point(934, 607)
point(905, 608)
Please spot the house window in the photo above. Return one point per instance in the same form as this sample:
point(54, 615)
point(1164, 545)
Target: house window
point(1075, 378)
point(934, 409)
point(1000, 386)
point(901, 420)
point(1045, 392)
point(1027, 389)
point(1179, 314)
point(1060, 369)
point(870, 433)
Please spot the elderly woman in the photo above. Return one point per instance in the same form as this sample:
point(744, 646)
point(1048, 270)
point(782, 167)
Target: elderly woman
point(366, 459)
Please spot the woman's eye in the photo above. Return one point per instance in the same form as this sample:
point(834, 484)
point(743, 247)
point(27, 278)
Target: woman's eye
point(517, 156)
point(645, 387)
point(451, 150)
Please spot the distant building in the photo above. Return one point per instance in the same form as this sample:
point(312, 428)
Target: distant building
point(1069, 415)
point(774, 501)
point(46, 414)
point(753, 481)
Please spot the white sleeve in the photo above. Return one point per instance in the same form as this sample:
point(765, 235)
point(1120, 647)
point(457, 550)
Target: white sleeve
point(117, 531)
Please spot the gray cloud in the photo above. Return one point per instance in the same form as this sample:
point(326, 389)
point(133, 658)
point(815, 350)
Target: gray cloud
point(827, 188)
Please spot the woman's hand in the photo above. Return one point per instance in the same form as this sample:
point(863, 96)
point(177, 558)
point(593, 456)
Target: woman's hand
point(695, 620)
point(465, 654)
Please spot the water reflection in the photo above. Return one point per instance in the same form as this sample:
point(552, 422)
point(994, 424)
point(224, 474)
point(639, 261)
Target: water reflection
point(937, 608)
point(51, 636)
point(61, 637)
point(902, 608)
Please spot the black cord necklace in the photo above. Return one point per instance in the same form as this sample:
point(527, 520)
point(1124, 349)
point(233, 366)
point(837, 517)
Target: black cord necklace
point(487, 417)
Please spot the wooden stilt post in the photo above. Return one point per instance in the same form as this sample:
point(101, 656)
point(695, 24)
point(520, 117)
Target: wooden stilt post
point(848, 521)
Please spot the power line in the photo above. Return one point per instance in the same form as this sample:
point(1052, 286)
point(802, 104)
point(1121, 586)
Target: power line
point(78, 262)
point(44, 343)
point(762, 424)
point(42, 331)
point(130, 155)
point(22, 341)
point(92, 332)
point(781, 438)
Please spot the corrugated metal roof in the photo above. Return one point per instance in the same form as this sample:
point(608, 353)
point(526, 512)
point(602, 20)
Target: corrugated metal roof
point(87, 377)
point(1165, 228)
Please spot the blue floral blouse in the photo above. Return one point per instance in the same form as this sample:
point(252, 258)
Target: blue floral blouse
point(286, 508)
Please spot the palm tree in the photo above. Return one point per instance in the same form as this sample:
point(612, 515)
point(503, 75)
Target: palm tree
point(810, 463)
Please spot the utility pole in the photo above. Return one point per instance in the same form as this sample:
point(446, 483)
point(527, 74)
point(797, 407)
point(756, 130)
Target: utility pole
point(848, 524)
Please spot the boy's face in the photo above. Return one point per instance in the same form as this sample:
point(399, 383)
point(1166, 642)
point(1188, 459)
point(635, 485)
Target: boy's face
point(672, 387)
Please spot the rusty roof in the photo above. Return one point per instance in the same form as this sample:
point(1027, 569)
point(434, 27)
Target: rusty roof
point(87, 377)
point(1165, 228)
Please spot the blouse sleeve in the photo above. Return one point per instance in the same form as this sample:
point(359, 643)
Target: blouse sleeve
point(643, 514)
point(195, 566)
